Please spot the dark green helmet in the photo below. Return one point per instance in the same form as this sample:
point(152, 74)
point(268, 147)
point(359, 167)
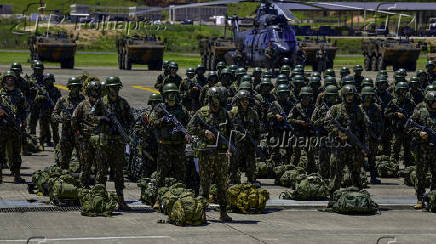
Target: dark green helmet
point(223, 94)
point(74, 81)
point(220, 65)
point(233, 68)
point(348, 89)
point(401, 85)
point(212, 75)
point(282, 80)
point(381, 79)
point(38, 65)
point(257, 70)
point(430, 97)
point(331, 90)
point(246, 78)
point(155, 97)
point(214, 92)
point(330, 80)
point(173, 66)
point(165, 64)
point(297, 71)
point(240, 72)
point(382, 73)
point(267, 74)
point(420, 73)
point(283, 88)
point(243, 94)
point(299, 66)
point(316, 74)
point(329, 72)
point(190, 71)
point(170, 87)
point(266, 82)
point(306, 91)
point(414, 79)
point(93, 89)
point(16, 67)
point(48, 76)
point(367, 82)
point(285, 69)
point(345, 71)
point(8, 73)
point(430, 87)
point(298, 79)
point(367, 90)
point(315, 80)
point(245, 86)
point(402, 71)
point(347, 80)
point(430, 65)
point(357, 68)
point(113, 81)
point(200, 69)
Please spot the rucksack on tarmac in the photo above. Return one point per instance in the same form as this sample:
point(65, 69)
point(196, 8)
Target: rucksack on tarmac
point(292, 177)
point(172, 195)
point(311, 188)
point(247, 199)
point(188, 210)
point(41, 180)
point(388, 169)
point(97, 201)
point(148, 191)
point(280, 170)
point(64, 191)
point(352, 201)
point(429, 200)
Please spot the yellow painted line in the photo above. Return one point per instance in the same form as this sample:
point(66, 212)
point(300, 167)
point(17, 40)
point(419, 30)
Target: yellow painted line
point(62, 87)
point(147, 89)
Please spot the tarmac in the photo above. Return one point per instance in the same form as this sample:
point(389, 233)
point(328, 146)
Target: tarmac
point(23, 215)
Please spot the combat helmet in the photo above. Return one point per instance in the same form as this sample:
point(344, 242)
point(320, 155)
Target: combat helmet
point(113, 81)
point(154, 98)
point(16, 67)
point(367, 82)
point(74, 81)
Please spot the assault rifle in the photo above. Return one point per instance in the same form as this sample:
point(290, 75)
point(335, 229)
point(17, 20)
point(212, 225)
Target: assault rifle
point(47, 96)
point(371, 128)
point(221, 137)
point(250, 138)
point(9, 119)
point(170, 118)
point(352, 138)
point(430, 132)
point(116, 122)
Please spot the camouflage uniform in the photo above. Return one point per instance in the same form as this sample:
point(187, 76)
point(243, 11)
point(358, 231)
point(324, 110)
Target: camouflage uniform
point(162, 76)
point(62, 113)
point(213, 161)
point(383, 99)
point(190, 93)
point(375, 126)
point(426, 152)
point(405, 106)
point(171, 146)
point(35, 108)
point(303, 113)
point(343, 153)
point(10, 136)
point(247, 127)
point(321, 60)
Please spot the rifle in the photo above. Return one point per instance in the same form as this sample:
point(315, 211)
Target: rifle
point(429, 131)
point(47, 96)
point(170, 118)
point(398, 122)
point(250, 138)
point(221, 137)
point(116, 122)
point(370, 129)
point(352, 138)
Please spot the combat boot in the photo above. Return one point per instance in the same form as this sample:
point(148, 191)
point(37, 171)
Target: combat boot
point(224, 217)
point(122, 205)
point(418, 205)
point(374, 179)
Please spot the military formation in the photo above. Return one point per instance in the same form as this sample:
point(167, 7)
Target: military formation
point(231, 119)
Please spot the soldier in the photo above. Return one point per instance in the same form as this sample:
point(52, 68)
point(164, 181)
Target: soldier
point(213, 160)
point(171, 139)
point(247, 130)
point(431, 74)
point(415, 90)
point(173, 77)
point(263, 102)
point(36, 78)
point(225, 78)
point(83, 122)
point(269, 54)
point(46, 98)
point(383, 98)
point(12, 114)
point(422, 76)
point(345, 71)
point(374, 126)
point(367, 82)
point(162, 76)
point(327, 82)
point(329, 72)
point(25, 88)
point(185, 89)
point(398, 111)
point(285, 70)
point(63, 113)
point(107, 138)
point(358, 78)
point(424, 116)
point(344, 153)
point(298, 83)
point(328, 99)
point(220, 66)
point(321, 59)
point(315, 84)
point(257, 75)
point(199, 75)
point(300, 117)
point(212, 80)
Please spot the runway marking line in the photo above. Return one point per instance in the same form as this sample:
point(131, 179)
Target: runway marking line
point(42, 240)
point(147, 89)
point(62, 87)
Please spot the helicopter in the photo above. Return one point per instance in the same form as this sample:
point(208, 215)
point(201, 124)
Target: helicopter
point(270, 29)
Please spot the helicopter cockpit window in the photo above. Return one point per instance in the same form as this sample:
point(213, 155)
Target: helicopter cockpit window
point(285, 36)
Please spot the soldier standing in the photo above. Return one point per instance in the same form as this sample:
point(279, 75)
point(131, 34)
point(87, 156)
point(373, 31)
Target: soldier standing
point(424, 116)
point(63, 113)
point(398, 111)
point(344, 153)
point(199, 75)
point(345, 71)
point(257, 76)
point(84, 123)
point(108, 137)
point(374, 126)
point(263, 102)
point(321, 59)
point(185, 90)
point(162, 76)
point(12, 115)
point(300, 117)
point(269, 54)
point(35, 109)
point(212, 80)
point(358, 78)
point(329, 98)
point(415, 90)
point(173, 77)
point(171, 139)
point(431, 74)
point(213, 152)
point(383, 99)
point(247, 127)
